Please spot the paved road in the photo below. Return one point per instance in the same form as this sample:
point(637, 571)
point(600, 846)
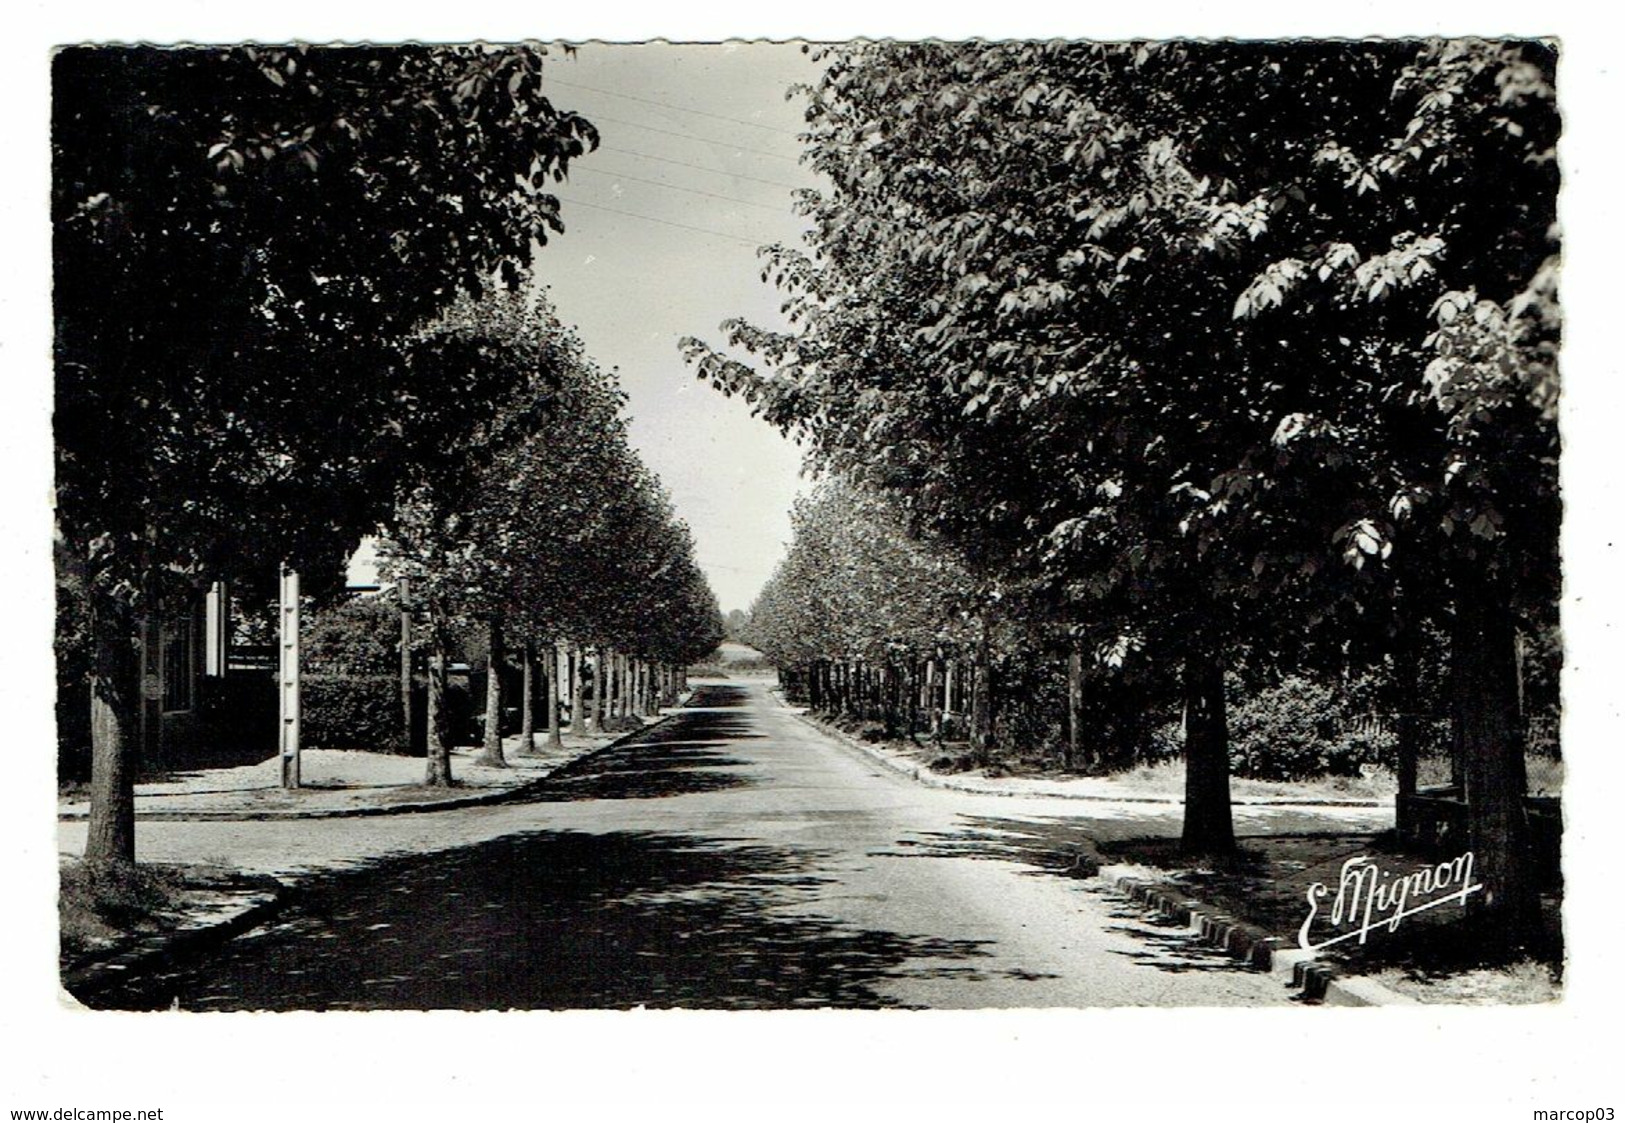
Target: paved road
point(732, 858)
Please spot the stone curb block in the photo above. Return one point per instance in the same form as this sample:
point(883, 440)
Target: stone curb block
point(1240, 940)
point(921, 774)
point(156, 951)
point(483, 799)
point(160, 950)
point(1318, 982)
point(1248, 943)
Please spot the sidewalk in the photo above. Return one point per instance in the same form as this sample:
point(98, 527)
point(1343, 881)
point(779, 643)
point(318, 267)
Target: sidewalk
point(337, 783)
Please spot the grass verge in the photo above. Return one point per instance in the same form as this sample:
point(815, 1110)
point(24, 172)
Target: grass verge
point(99, 905)
point(1434, 956)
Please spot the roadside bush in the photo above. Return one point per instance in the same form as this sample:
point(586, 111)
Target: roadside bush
point(1167, 743)
point(1029, 712)
point(352, 712)
point(357, 637)
point(1300, 729)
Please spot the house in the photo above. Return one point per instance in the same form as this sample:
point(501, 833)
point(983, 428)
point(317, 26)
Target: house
point(185, 643)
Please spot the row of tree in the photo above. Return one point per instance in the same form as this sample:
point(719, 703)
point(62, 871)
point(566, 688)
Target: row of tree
point(1211, 347)
point(258, 360)
point(552, 534)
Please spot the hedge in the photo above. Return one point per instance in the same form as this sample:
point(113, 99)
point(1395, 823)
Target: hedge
point(351, 712)
point(1301, 729)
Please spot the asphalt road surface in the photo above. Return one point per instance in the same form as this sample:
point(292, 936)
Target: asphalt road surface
point(734, 857)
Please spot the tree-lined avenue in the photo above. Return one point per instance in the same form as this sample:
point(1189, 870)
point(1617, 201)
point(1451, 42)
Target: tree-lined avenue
point(733, 857)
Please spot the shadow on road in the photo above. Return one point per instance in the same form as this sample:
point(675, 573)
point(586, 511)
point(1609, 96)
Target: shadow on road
point(1044, 848)
point(684, 756)
point(1058, 849)
point(556, 920)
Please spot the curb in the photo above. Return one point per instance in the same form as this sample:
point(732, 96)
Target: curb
point(1317, 981)
point(922, 774)
point(483, 799)
point(86, 982)
point(164, 948)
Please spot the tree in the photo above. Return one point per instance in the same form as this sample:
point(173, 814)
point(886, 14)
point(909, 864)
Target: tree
point(857, 595)
point(231, 228)
point(735, 624)
point(1032, 308)
point(550, 527)
point(465, 537)
point(1448, 293)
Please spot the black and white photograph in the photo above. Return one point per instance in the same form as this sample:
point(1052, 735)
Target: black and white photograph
point(812, 526)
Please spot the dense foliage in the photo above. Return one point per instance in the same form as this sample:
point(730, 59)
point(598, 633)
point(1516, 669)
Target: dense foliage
point(245, 241)
point(550, 529)
point(1214, 346)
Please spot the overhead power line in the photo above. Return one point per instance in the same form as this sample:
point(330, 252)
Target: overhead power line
point(670, 105)
point(700, 167)
point(663, 221)
point(735, 568)
point(777, 208)
point(693, 136)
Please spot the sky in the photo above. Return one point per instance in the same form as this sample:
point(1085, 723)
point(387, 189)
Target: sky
point(696, 169)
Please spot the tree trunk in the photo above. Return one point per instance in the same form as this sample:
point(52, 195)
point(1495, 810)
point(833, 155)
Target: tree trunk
point(623, 685)
point(527, 696)
point(933, 693)
point(885, 677)
point(438, 767)
point(981, 704)
point(113, 718)
point(491, 752)
point(1208, 828)
point(1075, 751)
point(600, 680)
point(1406, 747)
point(1489, 734)
point(578, 701)
point(557, 674)
point(913, 688)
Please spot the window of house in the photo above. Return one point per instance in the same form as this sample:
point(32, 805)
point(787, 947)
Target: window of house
point(179, 663)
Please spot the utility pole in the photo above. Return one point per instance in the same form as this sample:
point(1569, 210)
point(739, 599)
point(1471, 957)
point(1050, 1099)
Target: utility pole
point(288, 676)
